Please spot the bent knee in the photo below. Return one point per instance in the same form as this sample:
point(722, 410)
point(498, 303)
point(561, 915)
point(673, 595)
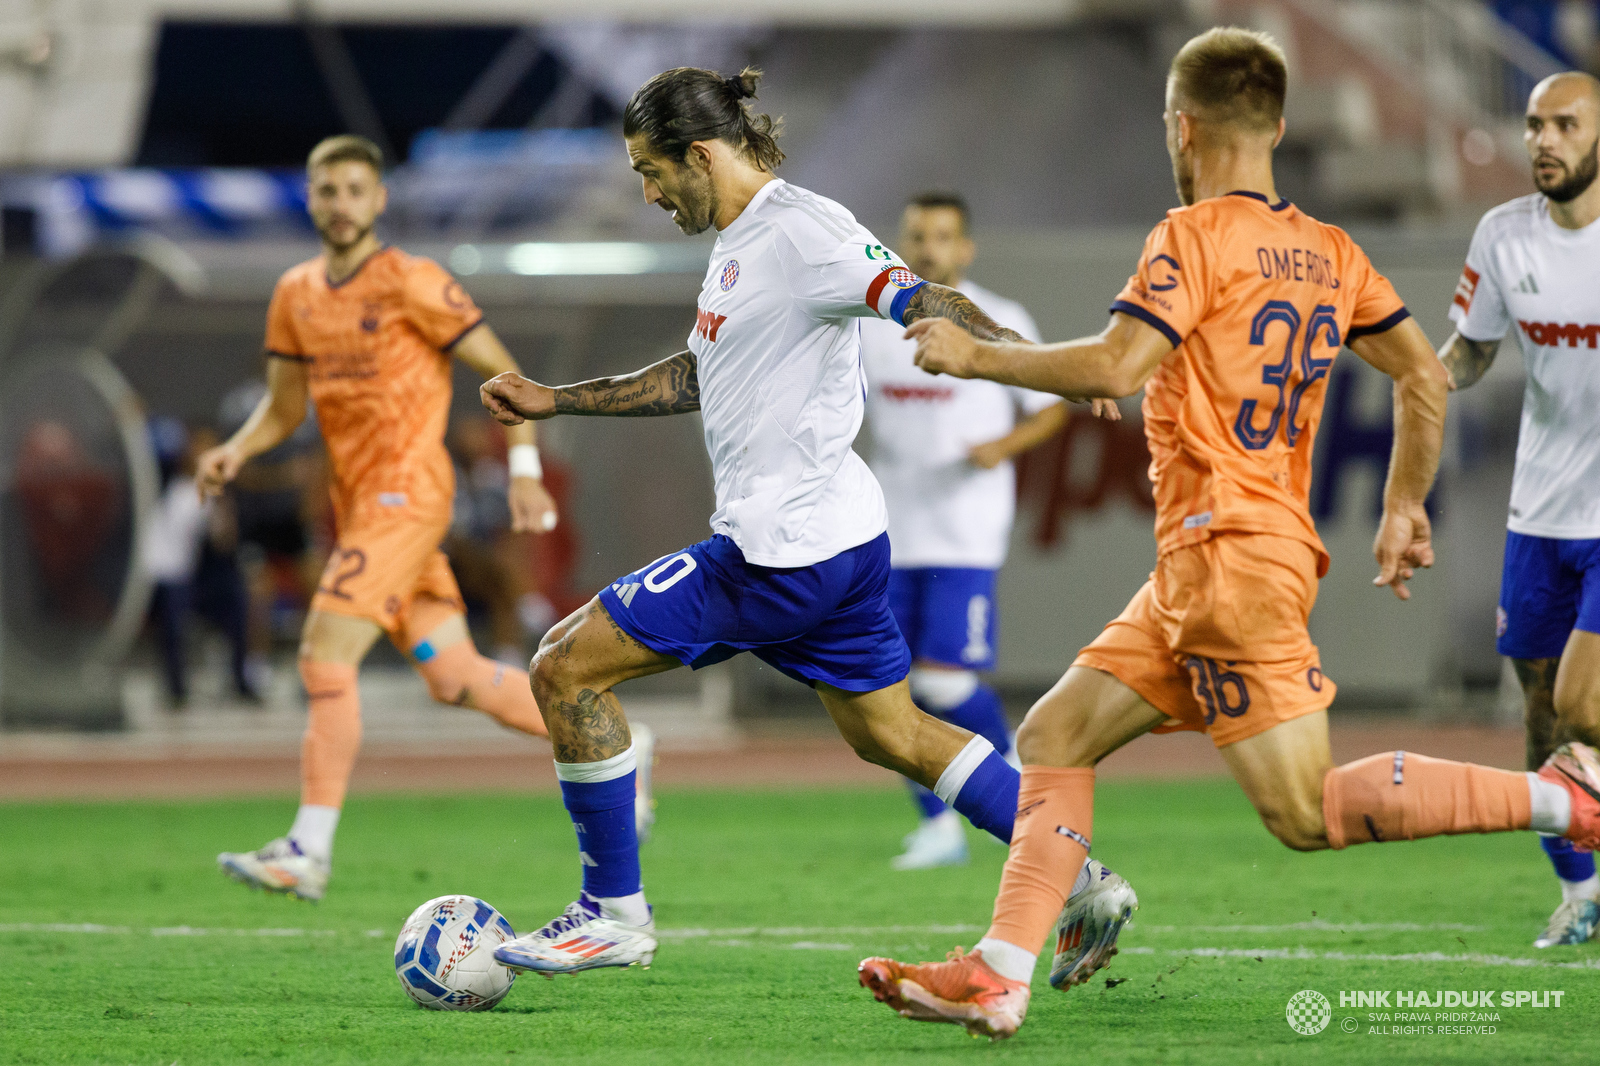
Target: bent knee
point(1299, 829)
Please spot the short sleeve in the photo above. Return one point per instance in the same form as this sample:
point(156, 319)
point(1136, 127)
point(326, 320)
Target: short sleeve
point(1171, 288)
point(438, 306)
point(281, 339)
point(1478, 307)
point(854, 278)
point(1378, 308)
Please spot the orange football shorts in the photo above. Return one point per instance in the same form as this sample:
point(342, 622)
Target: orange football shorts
point(380, 570)
point(1217, 639)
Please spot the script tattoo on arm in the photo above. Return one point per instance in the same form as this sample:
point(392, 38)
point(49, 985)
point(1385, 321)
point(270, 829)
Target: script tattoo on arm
point(1468, 360)
point(669, 387)
point(939, 301)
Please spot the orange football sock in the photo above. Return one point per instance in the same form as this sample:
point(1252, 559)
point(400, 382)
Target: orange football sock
point(1055, 816)
point(460, 676)
point(1403, 796)
point(333, 732)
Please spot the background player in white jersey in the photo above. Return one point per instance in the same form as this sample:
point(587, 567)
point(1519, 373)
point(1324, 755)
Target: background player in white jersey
point(797, 570)
point(942, 450)
point(1534, 264)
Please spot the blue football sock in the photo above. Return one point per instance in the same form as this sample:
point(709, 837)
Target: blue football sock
point(1570, 863)
point(982, 713)
point(983, 786)
point(932, 806)
point(602, 812)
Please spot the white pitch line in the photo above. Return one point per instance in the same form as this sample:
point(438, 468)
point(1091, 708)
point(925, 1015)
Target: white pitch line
point(1307, 954)
point(1319, 926)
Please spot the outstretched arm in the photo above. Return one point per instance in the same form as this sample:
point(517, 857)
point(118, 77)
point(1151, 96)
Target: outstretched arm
point(1465, 360)
point(532, 509)
point(669, 387)
point(1117, 362)
point(1405, 538)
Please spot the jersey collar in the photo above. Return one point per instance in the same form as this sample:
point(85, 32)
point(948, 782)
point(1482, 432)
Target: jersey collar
point(750, 208)
point(352, 276)
point(1279, 206)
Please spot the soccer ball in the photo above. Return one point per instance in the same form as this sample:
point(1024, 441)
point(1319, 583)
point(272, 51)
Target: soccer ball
point(444, 956)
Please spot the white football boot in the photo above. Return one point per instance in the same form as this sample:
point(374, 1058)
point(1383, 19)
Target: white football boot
point(937, 841)
point(1573, 923)
point(1086, 932)
point(644, 803)
point(279, 867)
point(581, 939)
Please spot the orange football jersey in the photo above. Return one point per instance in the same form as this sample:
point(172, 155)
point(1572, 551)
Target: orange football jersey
point(1257, 299)
point(376, 350)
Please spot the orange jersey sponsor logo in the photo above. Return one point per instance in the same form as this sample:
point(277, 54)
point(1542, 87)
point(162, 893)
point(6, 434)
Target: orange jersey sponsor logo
point(376, 352)
point(1257, 300)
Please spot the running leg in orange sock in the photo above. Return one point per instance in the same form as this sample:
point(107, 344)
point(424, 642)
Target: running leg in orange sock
point(1055, 817)
point(1399, 795)
point(459, 675)
point(333, 732)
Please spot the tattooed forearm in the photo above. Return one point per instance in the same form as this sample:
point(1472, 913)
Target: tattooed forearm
point(938, 301)
point(589, 730)
point(669, 387)
point(1467, 360)
point(1538, 677)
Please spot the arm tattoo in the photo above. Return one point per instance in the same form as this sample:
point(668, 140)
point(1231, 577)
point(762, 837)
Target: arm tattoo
point(938, 301)
point(669, 387)
point(1468, 360)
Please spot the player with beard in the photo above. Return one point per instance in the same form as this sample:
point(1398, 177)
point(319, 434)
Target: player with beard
point(1233, 318)
point(797, 570)
point(368, 333)
point(1533, 265)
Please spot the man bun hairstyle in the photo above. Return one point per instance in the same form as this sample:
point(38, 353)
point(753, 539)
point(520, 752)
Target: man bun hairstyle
point(1231, 76)
point(686, 104)
point(345, 148)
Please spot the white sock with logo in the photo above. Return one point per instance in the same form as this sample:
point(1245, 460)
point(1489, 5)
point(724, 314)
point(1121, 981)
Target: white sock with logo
point(313, 829)
point(1550, 806)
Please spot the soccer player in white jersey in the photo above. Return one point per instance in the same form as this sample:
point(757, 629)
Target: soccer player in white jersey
point(1534, 265)
point(942, 450)
point(798, 568)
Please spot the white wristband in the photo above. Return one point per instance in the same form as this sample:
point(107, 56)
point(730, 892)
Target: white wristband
point(523, 460)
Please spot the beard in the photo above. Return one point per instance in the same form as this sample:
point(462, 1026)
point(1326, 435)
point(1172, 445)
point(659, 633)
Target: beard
point(1573, 183)
point(338, 245)
point(696, 203)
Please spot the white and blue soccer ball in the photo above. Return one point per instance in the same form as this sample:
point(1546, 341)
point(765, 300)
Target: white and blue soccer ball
point(444, 956)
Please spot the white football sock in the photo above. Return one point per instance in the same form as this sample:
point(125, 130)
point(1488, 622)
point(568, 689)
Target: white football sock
point(313, 830)
point(630, 910)
point(1588, 888)
point(1551, 806)
point(1006, 959)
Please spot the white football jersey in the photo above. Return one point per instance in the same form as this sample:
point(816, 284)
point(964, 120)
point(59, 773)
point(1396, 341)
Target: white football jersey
point(1526, 271)
point(943, 511)
point(781, 387)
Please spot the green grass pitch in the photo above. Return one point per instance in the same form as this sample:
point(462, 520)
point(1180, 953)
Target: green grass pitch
point(767, 901)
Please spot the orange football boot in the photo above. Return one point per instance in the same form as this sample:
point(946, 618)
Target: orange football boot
point(962, 990)
point(1576, 767)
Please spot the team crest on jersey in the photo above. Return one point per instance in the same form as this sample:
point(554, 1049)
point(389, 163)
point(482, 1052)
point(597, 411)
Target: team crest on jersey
point(730, 275)
point(901, 278)
point(369, 315)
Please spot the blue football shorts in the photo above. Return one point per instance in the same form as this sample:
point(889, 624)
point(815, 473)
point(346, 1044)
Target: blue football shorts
point(1548, 588)
point(829, 622)
point(947, 614)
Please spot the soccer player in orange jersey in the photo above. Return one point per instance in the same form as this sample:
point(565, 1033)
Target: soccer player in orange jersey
point(368, 333)
point(1238, 307)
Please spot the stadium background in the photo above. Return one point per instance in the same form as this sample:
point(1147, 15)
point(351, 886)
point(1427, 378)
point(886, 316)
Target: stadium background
point(152, 157)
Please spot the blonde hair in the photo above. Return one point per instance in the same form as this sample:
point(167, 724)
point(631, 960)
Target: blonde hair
point(1231, 76)
point(345, 148)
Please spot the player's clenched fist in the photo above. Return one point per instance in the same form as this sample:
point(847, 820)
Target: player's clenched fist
point(215, 468)
point(943, 347)
point(512, 399)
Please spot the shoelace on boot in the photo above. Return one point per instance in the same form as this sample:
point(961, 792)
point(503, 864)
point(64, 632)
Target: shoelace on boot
point(577, 913)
